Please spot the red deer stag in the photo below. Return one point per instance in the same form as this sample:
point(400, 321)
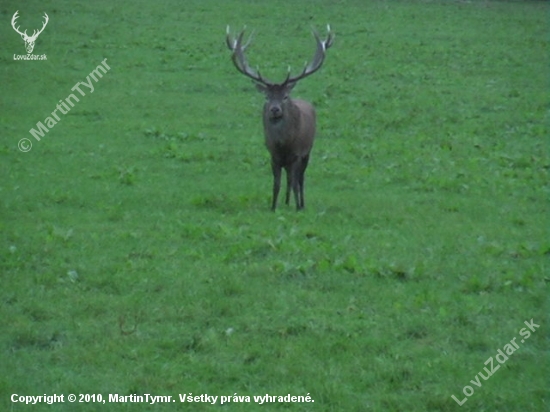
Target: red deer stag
point(289, 125)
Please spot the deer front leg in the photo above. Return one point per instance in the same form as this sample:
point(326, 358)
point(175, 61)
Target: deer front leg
point(276, 183)
point(288, 184)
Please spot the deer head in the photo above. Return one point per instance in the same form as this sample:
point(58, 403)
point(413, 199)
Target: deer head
point(277, 93)
point(29, 40)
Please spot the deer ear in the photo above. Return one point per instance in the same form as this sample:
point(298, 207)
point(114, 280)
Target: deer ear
point(290, 86)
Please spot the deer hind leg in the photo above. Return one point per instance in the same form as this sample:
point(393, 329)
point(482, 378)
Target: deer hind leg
point(295, 181)
point(276, 183)
point(301, 172)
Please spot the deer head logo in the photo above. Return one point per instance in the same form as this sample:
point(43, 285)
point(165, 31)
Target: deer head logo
point(29, 40)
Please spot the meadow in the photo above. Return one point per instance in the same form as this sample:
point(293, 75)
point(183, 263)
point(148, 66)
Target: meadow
point(138, 254)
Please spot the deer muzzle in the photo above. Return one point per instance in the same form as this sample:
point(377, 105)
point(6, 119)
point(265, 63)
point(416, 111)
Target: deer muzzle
point(275, 112)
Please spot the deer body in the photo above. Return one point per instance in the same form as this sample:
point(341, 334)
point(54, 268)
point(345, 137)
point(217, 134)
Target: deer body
point(294, 131)
point(289, 125)
point(289, 140)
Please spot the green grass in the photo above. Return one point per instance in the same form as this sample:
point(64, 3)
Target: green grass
point(138, 253)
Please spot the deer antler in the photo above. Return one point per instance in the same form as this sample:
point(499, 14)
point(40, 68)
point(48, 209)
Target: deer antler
point(239, 59)
point(35, 32)
point(318, 58)
point(15, 16)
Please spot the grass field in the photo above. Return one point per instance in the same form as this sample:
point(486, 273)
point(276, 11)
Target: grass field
point(138, 254)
